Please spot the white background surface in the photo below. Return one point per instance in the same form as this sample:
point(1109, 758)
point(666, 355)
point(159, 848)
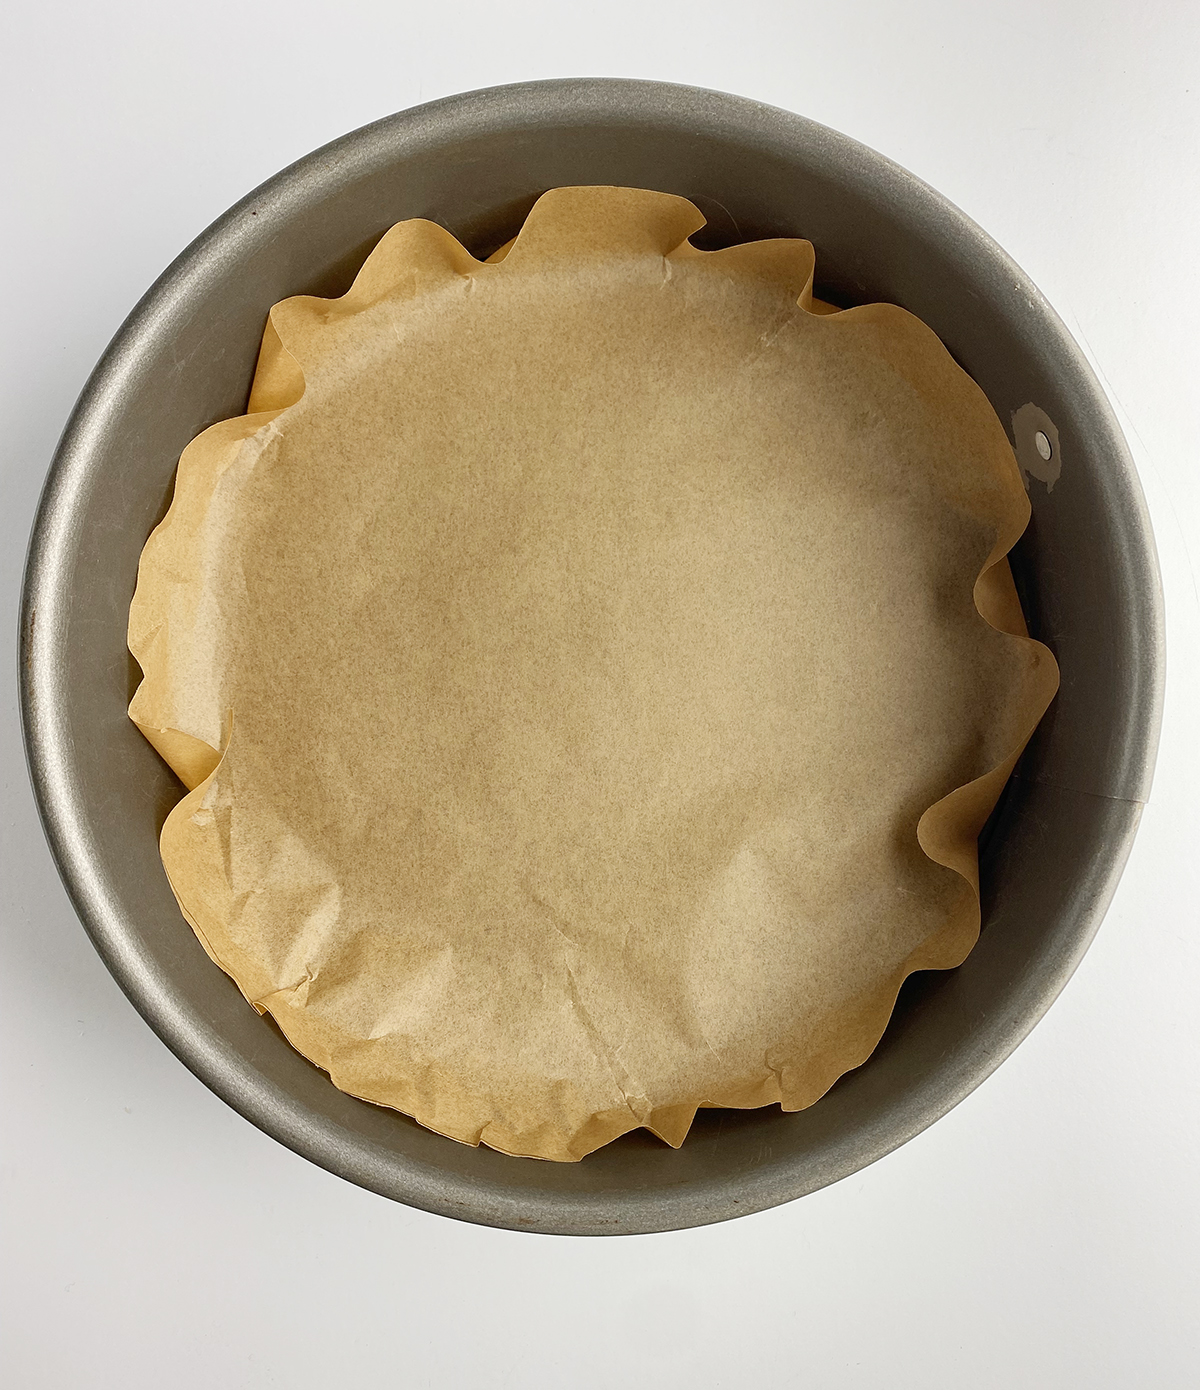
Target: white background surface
point(1044, 1234)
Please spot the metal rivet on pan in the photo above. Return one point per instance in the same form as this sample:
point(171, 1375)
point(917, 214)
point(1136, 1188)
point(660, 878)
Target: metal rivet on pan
point(1035, 440)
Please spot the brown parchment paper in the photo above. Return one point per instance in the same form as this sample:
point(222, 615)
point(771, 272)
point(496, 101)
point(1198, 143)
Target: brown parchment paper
point(591, 670)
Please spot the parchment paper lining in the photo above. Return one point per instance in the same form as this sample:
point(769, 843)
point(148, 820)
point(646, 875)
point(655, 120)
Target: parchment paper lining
point(591, 671)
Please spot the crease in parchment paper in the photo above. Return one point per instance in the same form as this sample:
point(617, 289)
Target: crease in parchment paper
point(590, 670)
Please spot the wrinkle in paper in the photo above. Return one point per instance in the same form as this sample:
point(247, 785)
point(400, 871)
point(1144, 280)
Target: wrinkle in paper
point(591, 670)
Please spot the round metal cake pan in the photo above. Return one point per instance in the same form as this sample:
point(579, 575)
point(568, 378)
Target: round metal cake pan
point(1086, 570)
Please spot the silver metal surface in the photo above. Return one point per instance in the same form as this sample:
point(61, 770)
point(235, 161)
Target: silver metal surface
point(475, 163)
